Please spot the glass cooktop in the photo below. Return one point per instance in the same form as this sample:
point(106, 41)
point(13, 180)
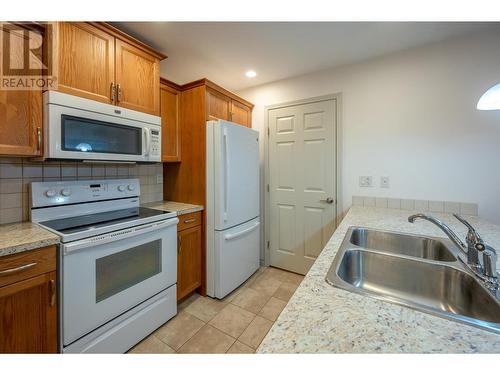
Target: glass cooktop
point(99, 220)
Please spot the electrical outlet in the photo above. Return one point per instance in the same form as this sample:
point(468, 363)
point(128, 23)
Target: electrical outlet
point(384, 182)
point(365, 181)
point(159, 179)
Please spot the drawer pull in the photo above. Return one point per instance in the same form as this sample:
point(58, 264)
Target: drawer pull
point(187, 221)
point(18, 269)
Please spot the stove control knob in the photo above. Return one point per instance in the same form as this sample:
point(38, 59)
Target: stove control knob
point(50, 193)
point(65, 192)
point(121, 187)
point(131, 187)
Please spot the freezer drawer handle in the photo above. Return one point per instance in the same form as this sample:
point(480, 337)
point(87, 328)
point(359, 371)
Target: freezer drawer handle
point(229, 237)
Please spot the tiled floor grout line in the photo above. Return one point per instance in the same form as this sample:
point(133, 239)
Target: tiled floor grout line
point(265, 297)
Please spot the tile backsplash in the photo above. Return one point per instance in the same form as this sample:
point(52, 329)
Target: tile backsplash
point(417, 205)
point(16, 175)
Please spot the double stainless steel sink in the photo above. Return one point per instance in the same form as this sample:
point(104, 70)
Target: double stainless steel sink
point(423, 273)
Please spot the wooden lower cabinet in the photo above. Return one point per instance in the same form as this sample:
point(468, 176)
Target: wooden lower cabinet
point(189, 247)
point(28, 306)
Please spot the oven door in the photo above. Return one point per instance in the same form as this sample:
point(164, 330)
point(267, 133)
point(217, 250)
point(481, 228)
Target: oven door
point(74, 133)
point(107, 275)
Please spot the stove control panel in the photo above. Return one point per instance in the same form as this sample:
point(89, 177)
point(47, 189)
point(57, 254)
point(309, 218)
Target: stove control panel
point(46, 194)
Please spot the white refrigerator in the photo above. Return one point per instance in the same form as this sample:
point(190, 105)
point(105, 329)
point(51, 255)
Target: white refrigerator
point(233, 226)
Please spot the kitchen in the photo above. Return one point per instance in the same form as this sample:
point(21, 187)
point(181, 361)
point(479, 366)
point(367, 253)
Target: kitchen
point(343, 204)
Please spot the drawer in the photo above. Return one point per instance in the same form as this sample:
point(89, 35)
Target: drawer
point(17, 267)
point(189, 220)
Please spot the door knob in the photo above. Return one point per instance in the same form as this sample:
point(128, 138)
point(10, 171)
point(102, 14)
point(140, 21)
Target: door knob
point(328, 200)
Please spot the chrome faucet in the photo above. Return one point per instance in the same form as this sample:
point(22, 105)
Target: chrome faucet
point(472, 251)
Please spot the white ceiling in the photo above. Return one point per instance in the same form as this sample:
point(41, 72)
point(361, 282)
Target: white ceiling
point(223, 52)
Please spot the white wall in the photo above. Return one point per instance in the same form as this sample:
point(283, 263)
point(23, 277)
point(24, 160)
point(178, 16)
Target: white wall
point(411, 116)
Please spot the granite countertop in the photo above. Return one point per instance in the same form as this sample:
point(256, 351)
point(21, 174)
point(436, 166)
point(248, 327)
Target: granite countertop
point(19, 237)
point(178, 207)
point(320, 318)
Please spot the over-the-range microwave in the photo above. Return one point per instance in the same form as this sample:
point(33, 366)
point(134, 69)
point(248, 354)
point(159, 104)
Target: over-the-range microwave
point(83, 129)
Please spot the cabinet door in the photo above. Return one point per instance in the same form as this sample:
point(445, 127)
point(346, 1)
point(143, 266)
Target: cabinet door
point(241, 114)
point(170, 124)
point(188, 261)
point(86, 61)
point(218, 106)
point(20, 111)
point(28, 315)
point(138, 77)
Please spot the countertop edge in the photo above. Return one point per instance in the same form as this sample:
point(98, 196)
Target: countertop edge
point(16, 249)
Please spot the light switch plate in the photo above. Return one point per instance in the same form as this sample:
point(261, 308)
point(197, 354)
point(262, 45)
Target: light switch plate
point(384, 182)
point(159, 179)
point(365, 181)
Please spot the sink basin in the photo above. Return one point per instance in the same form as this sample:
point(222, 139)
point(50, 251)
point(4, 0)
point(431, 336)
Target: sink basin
point(404, 244)
point(414, 272)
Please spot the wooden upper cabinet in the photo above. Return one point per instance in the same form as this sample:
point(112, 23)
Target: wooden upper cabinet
point(20, 123)
point(99, 62)
point(170, 123)
point(241, 114)
point(218, 106)
point(86, 61)
point(138, 77)
point(20, 111)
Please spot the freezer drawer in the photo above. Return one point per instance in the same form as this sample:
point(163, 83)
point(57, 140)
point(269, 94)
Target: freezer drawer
point(236, 256)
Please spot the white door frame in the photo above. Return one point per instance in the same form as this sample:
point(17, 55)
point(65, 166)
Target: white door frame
point(337, 99)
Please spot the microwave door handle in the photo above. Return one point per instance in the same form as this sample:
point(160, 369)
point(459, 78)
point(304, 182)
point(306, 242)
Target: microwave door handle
point(147, 140)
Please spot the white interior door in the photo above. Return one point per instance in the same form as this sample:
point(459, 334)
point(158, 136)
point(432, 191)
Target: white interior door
point(302, 184)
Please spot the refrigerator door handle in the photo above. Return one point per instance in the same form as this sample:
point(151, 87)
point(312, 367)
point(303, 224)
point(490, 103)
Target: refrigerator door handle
point(226, 173)
point(232, 236)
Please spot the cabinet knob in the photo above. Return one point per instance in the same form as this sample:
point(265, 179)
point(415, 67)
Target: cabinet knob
point(119, 92)
point(113, 91)
point(52, 293)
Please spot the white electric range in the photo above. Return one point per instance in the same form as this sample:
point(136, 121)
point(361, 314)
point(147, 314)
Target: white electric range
point(117, 262)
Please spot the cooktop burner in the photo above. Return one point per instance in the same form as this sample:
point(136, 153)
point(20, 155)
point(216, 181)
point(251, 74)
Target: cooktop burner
point(102, 219)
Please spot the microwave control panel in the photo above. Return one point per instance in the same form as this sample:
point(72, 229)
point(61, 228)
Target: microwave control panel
point(154, 148)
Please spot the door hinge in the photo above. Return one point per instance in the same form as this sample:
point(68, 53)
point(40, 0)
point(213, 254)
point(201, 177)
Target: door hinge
point(268, 132)
point(267, 188)
point(268, 244)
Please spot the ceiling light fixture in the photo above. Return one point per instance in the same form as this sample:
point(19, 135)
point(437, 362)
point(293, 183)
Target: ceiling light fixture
point(490, 100)
point(251, 74)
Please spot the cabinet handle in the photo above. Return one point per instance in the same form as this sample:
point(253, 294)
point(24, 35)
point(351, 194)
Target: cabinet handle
point(38, 139)
point(119, 90)
point(52, 293)
point(187, 221)
point(10, 271)
point(113, 91)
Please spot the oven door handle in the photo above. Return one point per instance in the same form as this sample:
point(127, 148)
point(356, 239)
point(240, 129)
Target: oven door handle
point(118, 235)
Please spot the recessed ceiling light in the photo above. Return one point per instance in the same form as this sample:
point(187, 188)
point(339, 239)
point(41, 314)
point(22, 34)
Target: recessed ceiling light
point(490, 99)
point(250, 74)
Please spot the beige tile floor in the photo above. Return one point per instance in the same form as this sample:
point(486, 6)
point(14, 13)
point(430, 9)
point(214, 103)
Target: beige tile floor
point(236, 324)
